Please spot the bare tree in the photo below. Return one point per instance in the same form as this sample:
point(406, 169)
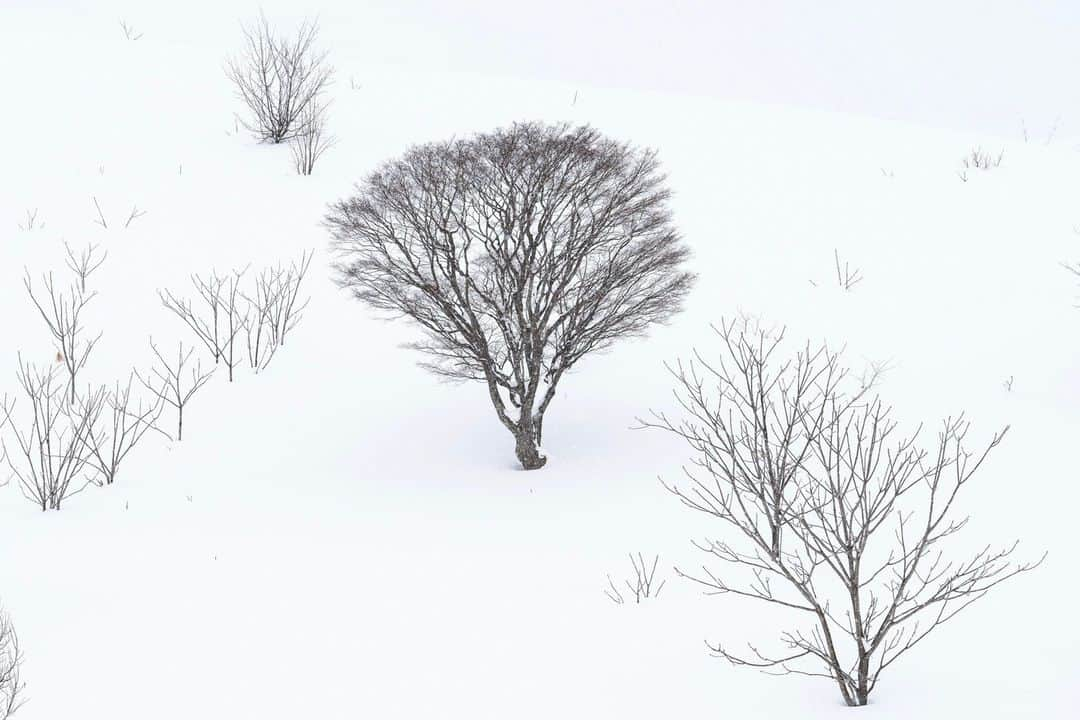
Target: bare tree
point(312, 141)
point(280, 80)
point(642, 587)
point(175, 383)
point(85, 263)
point(11, 684)
point(54, 460)
point(832, 514)
point(518, 252)
point(63, 316)
point(127, 424)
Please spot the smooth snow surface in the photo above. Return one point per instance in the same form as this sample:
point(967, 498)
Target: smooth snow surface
point(343, 536)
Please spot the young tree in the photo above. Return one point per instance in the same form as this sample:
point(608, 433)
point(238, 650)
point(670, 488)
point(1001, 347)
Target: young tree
point(281, 80)
point(63, 316)
point(518, 252)
point(11, 684)
point(175, 383)
point(127, 423)
point(311, 142)
point(833, 514)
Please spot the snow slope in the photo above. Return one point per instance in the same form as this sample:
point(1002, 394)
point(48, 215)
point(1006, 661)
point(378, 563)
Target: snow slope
point(343, 536)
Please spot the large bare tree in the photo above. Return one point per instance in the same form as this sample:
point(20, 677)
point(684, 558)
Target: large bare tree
point(518, 252)
point(831, 513)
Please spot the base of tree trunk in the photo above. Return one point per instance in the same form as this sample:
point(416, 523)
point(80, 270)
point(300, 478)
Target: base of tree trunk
point(528, 454)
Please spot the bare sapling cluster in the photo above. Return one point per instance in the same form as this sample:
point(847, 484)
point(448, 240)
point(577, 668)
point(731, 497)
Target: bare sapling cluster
point(218, 318)
point(175, 382)
point(12, 686)
point(274, 309)
point(978, 159)
point(846, 276)
point(311, 142)
point(120, 423)
point(517, 252)
point(62, 313)
point(233, 314)
point(51, 458)
point(831, 513)
point(641, 586)
point(85, 263)
point(281, 80)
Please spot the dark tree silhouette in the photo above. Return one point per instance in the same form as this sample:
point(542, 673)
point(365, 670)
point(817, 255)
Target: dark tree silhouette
point(518, 252)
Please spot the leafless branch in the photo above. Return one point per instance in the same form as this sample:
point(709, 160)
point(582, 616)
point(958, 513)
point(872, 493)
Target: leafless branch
point(847, 277)
point(85, 263)
point(136, 213)
point(30, 224)
point(129, 32)
point(101, 216)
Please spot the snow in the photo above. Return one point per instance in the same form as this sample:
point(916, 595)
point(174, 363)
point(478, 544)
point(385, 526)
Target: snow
point(346, 536)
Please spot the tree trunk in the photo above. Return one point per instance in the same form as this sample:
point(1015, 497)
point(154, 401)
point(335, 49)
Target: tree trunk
point(527, 445)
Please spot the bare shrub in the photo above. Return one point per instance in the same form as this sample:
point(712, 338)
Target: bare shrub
point(11, 685)
point(175, 383)
point(833, 514)
point(53, 459)
point(311, 142)
point(518, 252)
point(978, 159)
point(127, 423)
point(63, 316)
point(85, 263)
point(280, 80)
point(641, 585)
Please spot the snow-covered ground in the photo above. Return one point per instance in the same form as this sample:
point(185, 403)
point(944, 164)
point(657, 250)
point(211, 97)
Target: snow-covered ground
point(343, 536)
